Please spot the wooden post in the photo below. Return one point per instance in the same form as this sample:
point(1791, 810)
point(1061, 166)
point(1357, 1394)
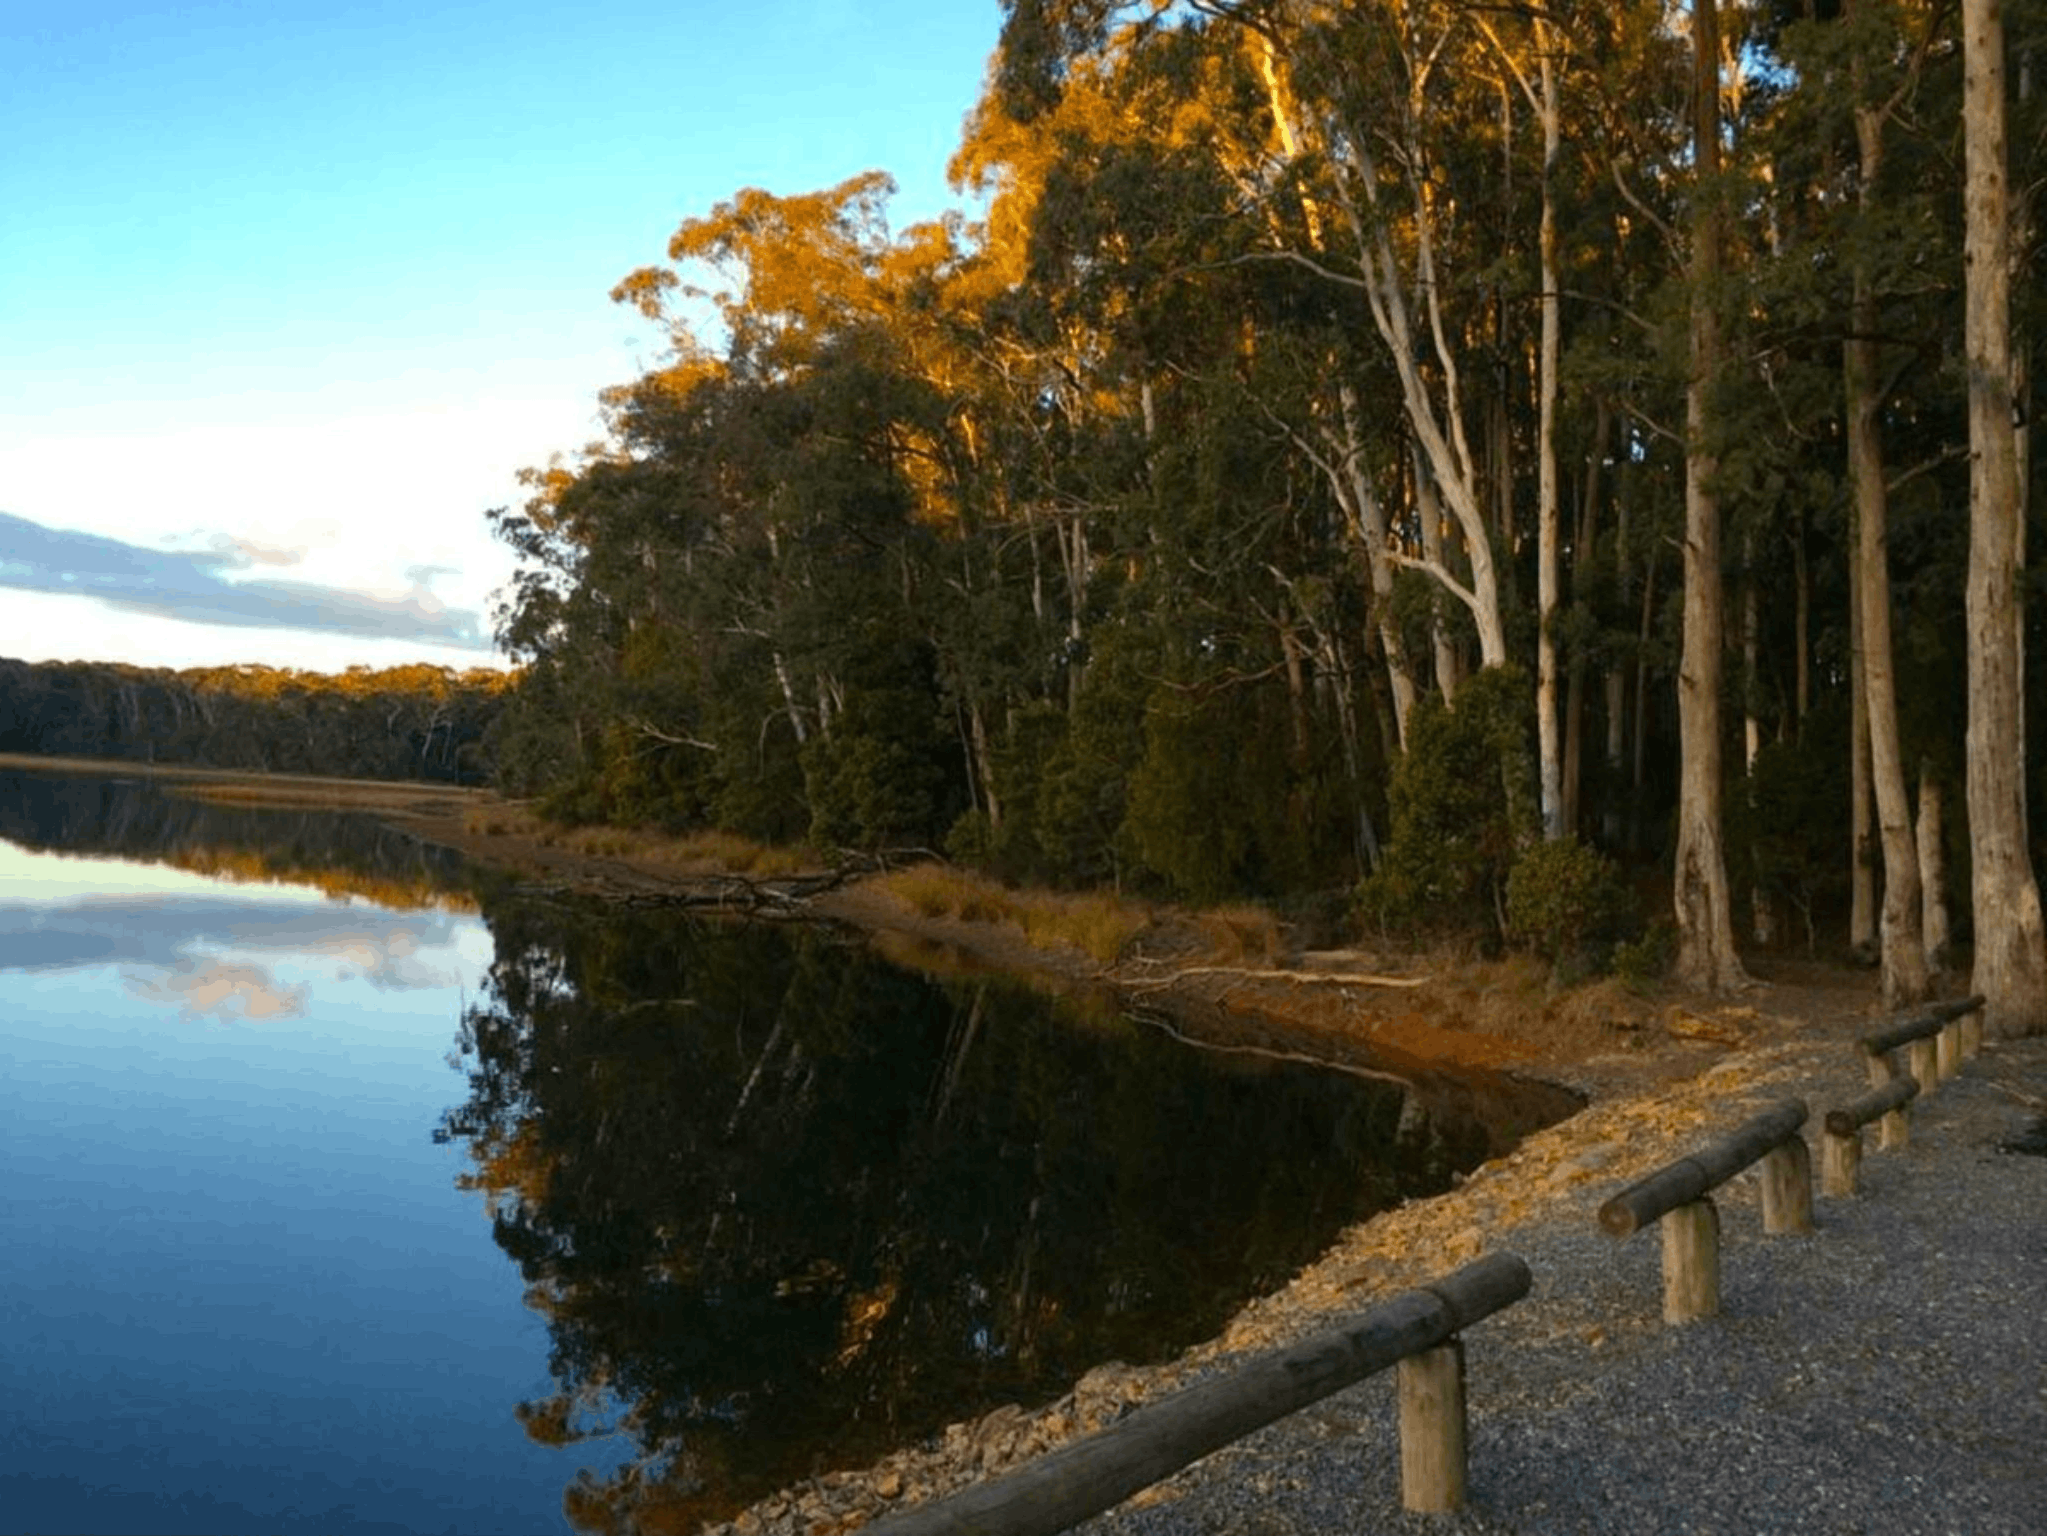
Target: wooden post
point(1692, 1261)
point(1690, 1178)
point(1840, 1158)
point(1973, 1032)
point(1432, 1399)
point(1788, 1187)
point(1882, 1068)
point(1064, 1487)
point(1920, 1057)
point(1893, 1131)
point(1948, 1052)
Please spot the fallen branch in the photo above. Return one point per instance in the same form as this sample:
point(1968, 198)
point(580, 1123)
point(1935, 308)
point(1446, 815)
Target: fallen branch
point(1318, 978)
point(1264, 1053)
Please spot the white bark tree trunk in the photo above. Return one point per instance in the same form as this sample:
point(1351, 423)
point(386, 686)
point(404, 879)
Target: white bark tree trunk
point(1550, 773)
point(2005, 903)
point(1706, 936)
point(1862, 865)
point(1929, 832)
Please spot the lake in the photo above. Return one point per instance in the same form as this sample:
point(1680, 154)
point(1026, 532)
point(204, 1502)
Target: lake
point(348, 1192)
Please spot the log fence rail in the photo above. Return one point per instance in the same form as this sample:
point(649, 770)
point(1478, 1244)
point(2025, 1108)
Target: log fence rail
point(1937, 1039)
point(1841, 1148)
point(1676, 1197)
point(1416, 1331)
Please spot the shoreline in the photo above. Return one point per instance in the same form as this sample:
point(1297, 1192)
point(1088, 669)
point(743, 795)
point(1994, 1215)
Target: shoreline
point(1648, 1075)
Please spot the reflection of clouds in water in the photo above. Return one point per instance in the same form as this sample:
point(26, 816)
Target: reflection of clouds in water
point(200, 986)
point(387, 956)
point(388, 949)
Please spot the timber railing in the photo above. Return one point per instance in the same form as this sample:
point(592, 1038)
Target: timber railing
point(1416, 1331)
point(1841, 1147)
point(1937, 1040)
point(1676, 1198)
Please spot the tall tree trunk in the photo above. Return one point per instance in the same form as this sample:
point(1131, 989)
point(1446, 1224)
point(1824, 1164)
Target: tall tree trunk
point(2005, 903)
point(1591, 487)
point(1612, 821)
point(1862, 861)
point(1551, 771)
point(1393, 320)
point(1369, 517)
point(1638, 781)
point(1763, 910)
point(1904, 958)
point(1429, 515)
point(1927, 828)
point(1706, 936)
point(1802, 623)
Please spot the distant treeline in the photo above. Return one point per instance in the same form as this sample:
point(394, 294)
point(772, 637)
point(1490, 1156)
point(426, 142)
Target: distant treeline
point(414, 722)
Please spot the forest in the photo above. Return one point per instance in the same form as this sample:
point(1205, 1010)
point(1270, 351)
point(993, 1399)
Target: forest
point(1563, 475)
point(411, 722)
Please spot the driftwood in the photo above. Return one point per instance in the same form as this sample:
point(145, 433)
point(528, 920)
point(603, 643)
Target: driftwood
point(1689, 1178)
point(1304, 978)
point(1059, 1490)
point(774, 896)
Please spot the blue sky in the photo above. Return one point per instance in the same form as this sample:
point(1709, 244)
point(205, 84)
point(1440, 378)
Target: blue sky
point(291, 290)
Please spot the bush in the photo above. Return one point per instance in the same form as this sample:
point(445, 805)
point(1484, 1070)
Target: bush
point(1563, 899)
point(1648, 959)
point(1460, 804)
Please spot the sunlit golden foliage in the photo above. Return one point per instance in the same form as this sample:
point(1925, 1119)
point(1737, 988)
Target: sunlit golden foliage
point(1097, 925)
point(244, 868)
point(707, 851)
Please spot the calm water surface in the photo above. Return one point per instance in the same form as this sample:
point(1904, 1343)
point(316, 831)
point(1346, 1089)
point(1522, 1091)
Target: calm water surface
point(370, 1209)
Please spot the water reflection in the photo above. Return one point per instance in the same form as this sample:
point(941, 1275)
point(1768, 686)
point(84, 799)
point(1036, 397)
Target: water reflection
point(785, 1206)
point(775, 1203)
point(341, 853)
point(240, 1290)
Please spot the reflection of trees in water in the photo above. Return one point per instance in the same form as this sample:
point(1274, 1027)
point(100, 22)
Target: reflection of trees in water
point(784, 1205)
point(338, 851)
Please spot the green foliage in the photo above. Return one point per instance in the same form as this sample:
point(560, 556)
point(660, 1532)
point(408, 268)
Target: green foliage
point(1563, 899)
point(1786, 819)
point(1461, 806)
point(1644, 961)
point(880, 776)
point(1101, 467)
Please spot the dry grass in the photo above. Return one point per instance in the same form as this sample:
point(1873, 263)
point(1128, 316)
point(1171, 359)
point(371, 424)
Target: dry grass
point(1242, 934)
point(1098, 925)
point(689, 852)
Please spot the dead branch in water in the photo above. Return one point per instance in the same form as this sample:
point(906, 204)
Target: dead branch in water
point(1160, 1022)
point(1316, 978)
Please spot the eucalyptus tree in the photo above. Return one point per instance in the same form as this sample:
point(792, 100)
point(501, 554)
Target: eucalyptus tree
point(1854, 136)
point(2005, 900)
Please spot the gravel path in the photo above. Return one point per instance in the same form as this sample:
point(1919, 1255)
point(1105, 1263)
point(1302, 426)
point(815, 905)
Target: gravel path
point(1883, 1375)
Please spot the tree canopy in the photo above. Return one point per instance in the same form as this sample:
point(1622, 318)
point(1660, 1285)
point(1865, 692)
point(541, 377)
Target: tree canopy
point(1287, 364)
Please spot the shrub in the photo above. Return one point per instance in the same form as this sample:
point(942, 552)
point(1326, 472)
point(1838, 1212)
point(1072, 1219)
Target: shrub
point(1459, 805)
point(1563, 897)
point(1640, 962)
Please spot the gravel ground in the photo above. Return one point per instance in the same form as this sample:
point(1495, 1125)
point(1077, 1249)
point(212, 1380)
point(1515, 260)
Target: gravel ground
point(1883, 1375)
